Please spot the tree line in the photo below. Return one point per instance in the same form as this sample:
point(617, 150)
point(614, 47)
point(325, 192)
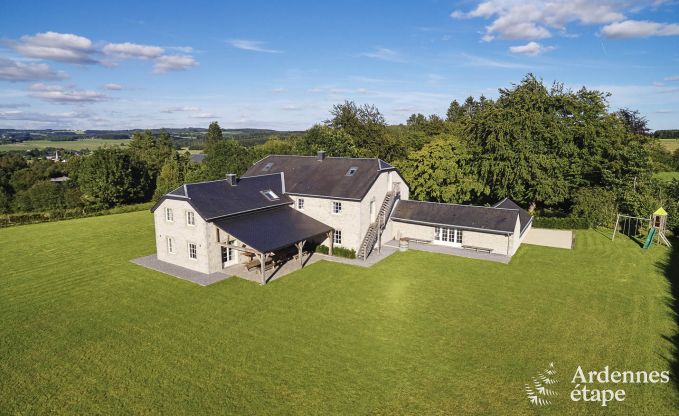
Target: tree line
point(557, 151)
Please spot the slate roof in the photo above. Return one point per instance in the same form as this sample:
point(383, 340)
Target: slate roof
point(272, 229)
point(216, 199)
point(306, 175)
point(498, 220)
point(524, 216)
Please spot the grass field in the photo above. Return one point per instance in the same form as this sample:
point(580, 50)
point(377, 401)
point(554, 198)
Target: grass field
point(666, 176)
point(68, 145)
point(86, 332)
point(670, 144)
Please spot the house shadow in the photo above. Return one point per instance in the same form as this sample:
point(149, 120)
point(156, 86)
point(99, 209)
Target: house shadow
point(670, 268)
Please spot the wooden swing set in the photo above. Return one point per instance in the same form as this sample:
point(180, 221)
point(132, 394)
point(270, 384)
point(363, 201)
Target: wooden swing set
point(634, 227)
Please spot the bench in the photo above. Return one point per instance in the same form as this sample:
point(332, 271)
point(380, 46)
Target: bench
point(255, 264)
point(417, 240)
point(477, 249)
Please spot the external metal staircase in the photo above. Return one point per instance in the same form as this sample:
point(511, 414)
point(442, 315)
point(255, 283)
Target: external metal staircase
point(377, 227)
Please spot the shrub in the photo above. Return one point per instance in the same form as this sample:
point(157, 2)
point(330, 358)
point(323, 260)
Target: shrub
point(65, 214)
point(336, 251)
point(566, 223)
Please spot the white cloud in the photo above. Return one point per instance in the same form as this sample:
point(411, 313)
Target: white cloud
point(279, 90)
point(384, 54)
point(535, 19)
point(133, 50)
point(251, 45)
point(167, 63)
point(42, 117)
point(639, 29)
point(113, 87)
point(531, 48)
point(11, 70)
point(672, 78)
point(171, 110)
point(59, 94)
point(55, 46)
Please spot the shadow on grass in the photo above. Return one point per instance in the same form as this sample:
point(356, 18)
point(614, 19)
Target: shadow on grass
point(670, 268)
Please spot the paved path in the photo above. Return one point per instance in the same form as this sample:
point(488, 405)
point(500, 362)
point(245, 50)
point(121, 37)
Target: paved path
point(203, 279)
point(550, 238)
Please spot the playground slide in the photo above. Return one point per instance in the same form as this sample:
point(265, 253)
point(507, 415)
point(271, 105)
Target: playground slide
point(649, 237)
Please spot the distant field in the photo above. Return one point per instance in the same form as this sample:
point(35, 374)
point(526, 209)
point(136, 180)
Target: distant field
point(670, 144)
point(68, 145)
point(666, 176)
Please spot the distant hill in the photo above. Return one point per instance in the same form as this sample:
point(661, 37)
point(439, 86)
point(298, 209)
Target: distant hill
point(184, 137)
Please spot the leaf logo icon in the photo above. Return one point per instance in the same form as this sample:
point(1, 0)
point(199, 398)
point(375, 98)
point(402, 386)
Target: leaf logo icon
point(538, 392)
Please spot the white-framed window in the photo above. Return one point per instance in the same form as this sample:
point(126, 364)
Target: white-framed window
point(300, 203)
point(170, 245)
point(336, 207)
point(270, 195)
point(448, 235)
point(193, 251)
point(169, 215)
point(337, 237)
point(190, 218)
point(227, 254)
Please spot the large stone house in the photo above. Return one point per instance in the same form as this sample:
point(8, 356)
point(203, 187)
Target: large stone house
point(283, 202)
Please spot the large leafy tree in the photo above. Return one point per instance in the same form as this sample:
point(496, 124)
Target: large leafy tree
point(174, 172)
point(441, 171)
point(336, 142)
point(213, 135)
point(225, 156)
point(111, 177)
point(154, 151)
point(365, 124)
point(522, 151)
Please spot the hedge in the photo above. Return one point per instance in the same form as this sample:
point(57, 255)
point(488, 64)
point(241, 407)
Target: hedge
point(561, 223)
point(9, 220)
point(336, 251)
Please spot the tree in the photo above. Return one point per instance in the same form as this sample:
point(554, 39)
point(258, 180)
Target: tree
point(173, 173)
point(596, 205)
point(225, 156)
point(365, 124)
point(634, 121)
point(442, 172)
point(335, 142)
point(522, 150)
point(42, 196)
point(276, 146)
point(213, 135)
point(154, 151)
point(455, 112)
point(112, 177)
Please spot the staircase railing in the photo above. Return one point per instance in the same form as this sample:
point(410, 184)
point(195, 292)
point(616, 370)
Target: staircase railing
point(376, 228)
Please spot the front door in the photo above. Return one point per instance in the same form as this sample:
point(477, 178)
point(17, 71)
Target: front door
point(228, 256)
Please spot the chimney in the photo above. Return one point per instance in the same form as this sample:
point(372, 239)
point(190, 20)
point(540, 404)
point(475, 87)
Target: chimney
point(320, 155)
point(232, 179)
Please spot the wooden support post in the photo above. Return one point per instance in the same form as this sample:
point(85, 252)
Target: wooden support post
point(262, 265)
point(331, 237)
point(300, 248)
point(379, 234)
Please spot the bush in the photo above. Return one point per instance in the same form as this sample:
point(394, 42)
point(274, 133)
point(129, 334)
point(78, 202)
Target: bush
point(65, 214)
point(595, 205)
point(336, 251)
point(566, 223)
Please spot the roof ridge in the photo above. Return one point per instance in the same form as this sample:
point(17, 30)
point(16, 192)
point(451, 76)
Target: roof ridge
point(461, 205)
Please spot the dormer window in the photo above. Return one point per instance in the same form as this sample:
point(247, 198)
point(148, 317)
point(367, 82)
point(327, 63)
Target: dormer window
point(352, 171)
point(267, 167)
point(270, 195)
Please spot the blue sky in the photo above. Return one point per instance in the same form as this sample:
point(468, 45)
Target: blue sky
point(282, 65)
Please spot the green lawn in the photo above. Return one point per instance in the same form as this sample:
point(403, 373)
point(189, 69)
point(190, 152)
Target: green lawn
point(666, 176)
point(670, 144)
point(83, 331)
point(79, 144)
